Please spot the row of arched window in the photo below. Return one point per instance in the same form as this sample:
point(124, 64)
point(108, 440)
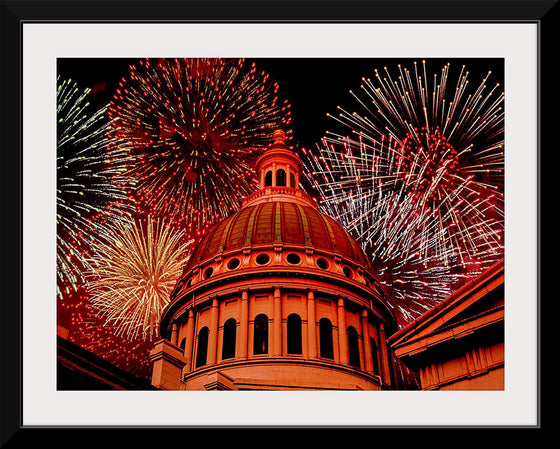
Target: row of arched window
point(294, 340)
point(281, 179)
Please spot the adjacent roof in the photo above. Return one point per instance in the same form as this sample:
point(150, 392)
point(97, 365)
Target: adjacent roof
point(476, 305)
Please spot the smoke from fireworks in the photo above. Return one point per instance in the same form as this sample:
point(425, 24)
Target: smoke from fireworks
point(87, 184)
point(417, 177)
point(192, 128)
point(134, 269)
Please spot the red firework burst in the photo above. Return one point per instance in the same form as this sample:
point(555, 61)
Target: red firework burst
point(191, 129)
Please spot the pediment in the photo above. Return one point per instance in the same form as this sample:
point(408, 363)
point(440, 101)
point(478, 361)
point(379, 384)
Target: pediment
point(477, 304)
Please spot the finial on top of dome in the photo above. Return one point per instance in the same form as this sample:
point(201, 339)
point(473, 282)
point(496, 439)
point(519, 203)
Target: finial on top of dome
point(279, 136)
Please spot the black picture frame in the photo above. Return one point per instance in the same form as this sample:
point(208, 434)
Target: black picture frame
point(18, 12)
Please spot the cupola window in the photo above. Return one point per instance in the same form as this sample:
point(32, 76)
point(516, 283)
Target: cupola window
point(268, 178)
point(280, 178)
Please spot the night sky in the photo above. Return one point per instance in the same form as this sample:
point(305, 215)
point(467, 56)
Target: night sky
point(313, 86)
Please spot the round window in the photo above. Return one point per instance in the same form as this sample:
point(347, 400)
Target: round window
point(322, 263)
point(233, 264)
point(208, 272)
point(293, 258)
point(347, 272)
point(262, 259)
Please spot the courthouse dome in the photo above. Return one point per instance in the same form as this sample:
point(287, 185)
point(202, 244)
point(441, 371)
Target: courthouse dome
point(276, 296)
point(280, 221)
point(279, 213)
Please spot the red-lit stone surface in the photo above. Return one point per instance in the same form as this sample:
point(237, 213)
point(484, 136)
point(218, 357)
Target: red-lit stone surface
point(459, 344)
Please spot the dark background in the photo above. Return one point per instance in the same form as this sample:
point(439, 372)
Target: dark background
point(313, 86)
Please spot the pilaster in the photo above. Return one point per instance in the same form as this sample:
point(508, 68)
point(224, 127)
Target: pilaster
point(168, 363)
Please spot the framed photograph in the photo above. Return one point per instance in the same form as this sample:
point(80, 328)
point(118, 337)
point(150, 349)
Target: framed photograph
point(330, 211)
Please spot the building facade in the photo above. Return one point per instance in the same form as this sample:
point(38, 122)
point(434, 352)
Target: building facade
point(277, 296)
point(459, 344)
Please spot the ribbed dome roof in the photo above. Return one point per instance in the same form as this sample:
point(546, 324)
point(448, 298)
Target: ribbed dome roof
point(278, 222)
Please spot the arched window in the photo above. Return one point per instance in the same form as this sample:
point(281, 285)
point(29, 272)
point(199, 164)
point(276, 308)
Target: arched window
point(374, 356)
point(183, 343)
point(353, 347)
point(325, 339)
point(280, 178)
point(228, 346)
point(292, 180)
point(294, 334)
point(268, 178)
point(202, 348)
point(260, 340)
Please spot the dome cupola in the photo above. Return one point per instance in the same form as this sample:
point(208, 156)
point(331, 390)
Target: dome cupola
point(278, 166)
point(278, 169)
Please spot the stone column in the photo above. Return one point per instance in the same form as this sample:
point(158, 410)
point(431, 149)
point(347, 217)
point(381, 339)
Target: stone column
point(383, 355)
point(277, 323)
point(190, 340)
point(174, 334)
point(342, 337)
point(311, 326)
point(243, 325)
point(366, 342)
point(213, 337)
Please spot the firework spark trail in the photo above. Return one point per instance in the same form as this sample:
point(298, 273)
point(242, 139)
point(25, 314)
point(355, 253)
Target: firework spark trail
point(417, 177)
point(133, 273)
point(193, 127)
point(90, 332)
point(86, 184)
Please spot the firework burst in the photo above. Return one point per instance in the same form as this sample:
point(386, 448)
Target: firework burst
point(134, 269)
point(87, 184)
point(192, 128)
point(417, 177)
